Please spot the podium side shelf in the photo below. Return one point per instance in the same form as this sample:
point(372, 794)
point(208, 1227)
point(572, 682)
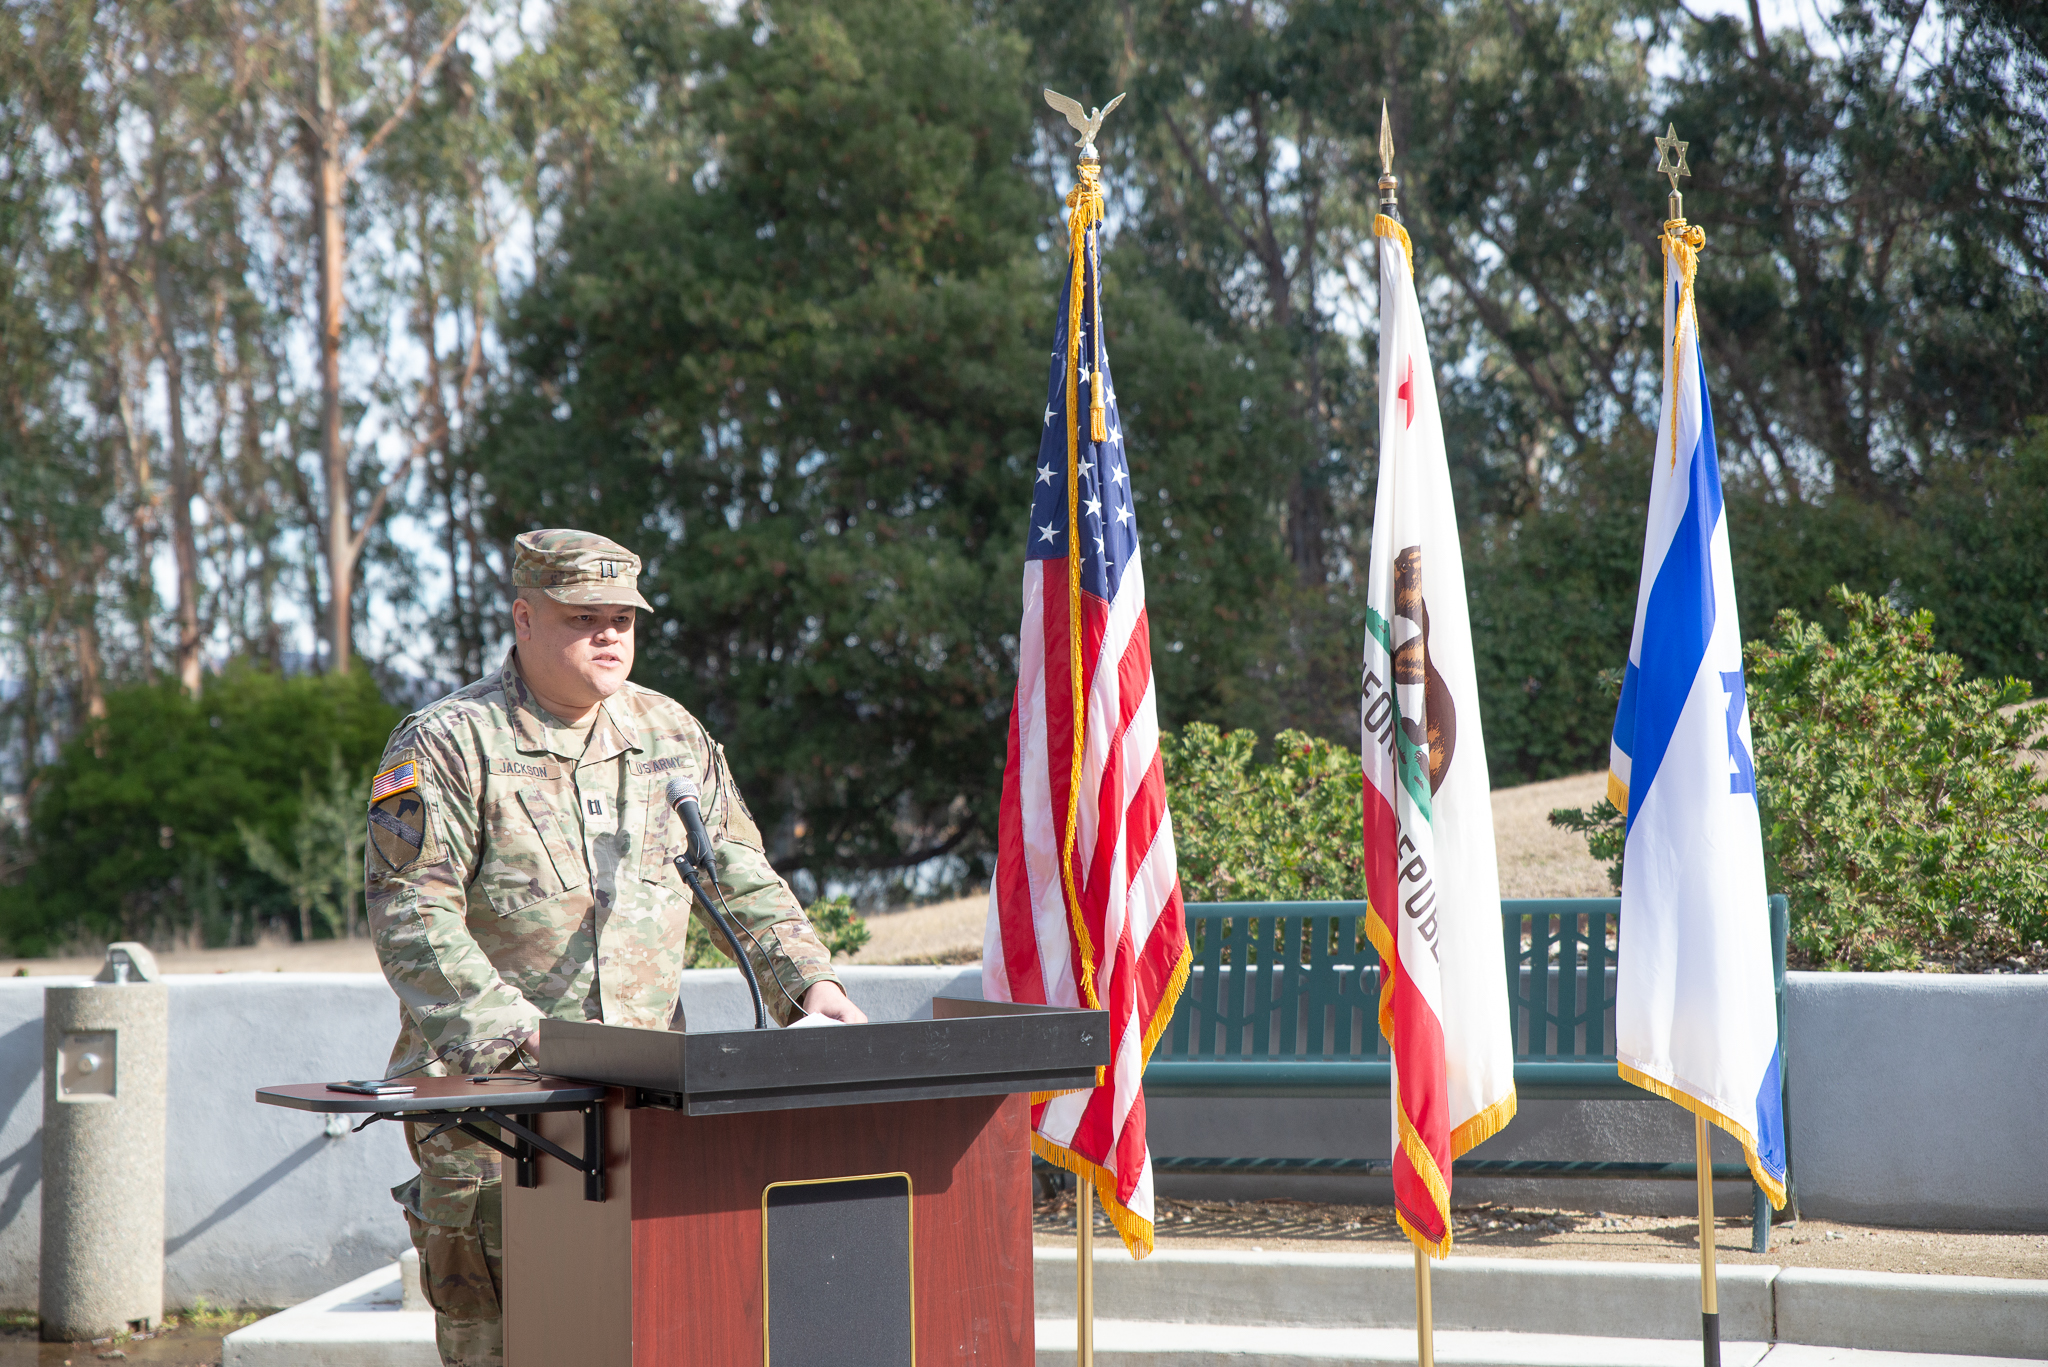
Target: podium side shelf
point(460, 1103)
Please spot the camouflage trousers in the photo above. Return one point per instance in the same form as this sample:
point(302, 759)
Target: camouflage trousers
point(458, 1229)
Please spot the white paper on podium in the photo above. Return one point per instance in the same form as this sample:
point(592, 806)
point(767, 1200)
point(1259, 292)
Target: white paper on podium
point(812, 1019)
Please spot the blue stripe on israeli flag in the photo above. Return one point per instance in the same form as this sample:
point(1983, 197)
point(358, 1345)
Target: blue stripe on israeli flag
point(1695, 1010)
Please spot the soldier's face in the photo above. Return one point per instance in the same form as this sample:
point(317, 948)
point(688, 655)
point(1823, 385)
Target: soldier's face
point(575, 653)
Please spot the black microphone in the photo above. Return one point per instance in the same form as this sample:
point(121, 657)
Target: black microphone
point(682, 796)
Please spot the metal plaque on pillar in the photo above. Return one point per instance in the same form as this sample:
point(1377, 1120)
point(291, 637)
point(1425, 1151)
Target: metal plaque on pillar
point(836, 1265)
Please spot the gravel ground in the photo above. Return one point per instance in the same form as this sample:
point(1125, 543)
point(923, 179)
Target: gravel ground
point(1500, 1231)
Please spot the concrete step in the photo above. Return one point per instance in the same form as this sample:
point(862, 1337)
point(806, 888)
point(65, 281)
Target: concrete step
point(1893, 1312)
point(1236, 1309)
point(1377, 1290)
point(1128, 1343)
point(377, 1320)
point(1134, 1343)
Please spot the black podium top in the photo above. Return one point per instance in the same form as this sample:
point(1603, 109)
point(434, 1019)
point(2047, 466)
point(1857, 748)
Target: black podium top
point(969, 1048)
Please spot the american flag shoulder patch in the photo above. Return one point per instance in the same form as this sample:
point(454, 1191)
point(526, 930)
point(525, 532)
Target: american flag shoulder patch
point(396, 779)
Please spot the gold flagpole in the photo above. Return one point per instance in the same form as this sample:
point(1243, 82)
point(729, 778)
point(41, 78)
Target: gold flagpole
point(1084, 1272)
point(1425, 1331)
point(1710, 1307)
point(1687, 241)
point(1086, 203)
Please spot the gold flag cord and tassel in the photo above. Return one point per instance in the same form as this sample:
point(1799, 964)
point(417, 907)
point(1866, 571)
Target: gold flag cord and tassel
point(1684, 243)
point(1085, 200)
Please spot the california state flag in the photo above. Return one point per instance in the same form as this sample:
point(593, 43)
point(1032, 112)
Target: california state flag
point(1429, 858)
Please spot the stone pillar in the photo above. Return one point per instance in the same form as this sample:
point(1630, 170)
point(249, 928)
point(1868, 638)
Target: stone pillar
point(105, 1059)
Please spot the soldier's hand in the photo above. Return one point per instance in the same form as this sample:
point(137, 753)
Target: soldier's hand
point(830, 1000)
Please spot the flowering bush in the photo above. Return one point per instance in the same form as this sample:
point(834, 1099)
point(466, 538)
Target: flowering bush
point(1901, 816)
point(1287, 830)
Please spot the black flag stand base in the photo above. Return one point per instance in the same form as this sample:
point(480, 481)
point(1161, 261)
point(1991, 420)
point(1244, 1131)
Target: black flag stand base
point(1710, 1307)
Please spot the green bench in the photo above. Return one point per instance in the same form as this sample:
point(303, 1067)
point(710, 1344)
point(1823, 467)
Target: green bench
point(1284, 1002)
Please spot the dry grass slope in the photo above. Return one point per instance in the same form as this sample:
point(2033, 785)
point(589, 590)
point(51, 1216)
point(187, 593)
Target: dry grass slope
point(1536, 860)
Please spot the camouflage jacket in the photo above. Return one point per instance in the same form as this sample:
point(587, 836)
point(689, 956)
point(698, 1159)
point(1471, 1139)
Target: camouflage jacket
point(518, 868)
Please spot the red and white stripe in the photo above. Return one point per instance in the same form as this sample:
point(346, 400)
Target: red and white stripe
point(1124, 869)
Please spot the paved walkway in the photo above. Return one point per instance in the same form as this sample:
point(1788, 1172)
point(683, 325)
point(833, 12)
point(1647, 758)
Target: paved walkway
point(1498, 1231)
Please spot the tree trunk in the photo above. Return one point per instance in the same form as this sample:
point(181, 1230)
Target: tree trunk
point(184, 544)
point(111, 349)
point(31, 702)
point(327, 187)
point(93, 694)
point(184, 488)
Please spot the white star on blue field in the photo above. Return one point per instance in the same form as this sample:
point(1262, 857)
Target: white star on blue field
point(1109, 526)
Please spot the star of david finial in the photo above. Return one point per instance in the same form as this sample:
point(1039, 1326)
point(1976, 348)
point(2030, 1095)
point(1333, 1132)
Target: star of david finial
point(1668, 148)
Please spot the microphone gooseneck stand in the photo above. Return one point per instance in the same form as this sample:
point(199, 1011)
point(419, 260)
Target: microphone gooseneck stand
point(732, 938)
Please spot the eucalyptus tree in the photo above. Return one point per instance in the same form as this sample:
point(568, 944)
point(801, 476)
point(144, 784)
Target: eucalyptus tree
point(146, 116)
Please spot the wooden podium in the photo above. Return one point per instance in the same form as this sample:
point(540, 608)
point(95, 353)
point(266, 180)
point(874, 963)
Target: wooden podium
point(854, 1195)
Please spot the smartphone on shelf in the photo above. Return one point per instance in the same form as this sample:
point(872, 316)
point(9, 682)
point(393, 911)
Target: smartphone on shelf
point(372, 1087)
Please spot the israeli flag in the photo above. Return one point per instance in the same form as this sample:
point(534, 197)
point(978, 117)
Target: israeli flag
point(1695, 1014)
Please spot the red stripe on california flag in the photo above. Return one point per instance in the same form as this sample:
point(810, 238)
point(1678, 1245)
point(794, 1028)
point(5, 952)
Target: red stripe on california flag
point(1419, 1067)
point(1417, 1037)
point(1382, 841)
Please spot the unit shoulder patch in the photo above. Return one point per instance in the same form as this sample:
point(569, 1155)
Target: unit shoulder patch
point(398, 827)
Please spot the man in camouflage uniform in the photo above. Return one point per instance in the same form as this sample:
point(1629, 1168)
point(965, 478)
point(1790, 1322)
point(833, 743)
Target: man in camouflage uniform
point(519, 867)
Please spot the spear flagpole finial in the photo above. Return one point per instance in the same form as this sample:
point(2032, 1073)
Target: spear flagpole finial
point(1671, 164)
point(1389, 185)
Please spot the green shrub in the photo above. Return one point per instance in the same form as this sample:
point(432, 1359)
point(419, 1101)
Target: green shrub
point(835, 920)
point(324, 874)
point(1291, 829)
point(838, 925)
point(1901, 818)
point(136, 831)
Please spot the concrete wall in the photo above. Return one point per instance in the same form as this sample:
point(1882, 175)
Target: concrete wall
point(1920, 1098)
point(263, 1207)
point(1916, 1099)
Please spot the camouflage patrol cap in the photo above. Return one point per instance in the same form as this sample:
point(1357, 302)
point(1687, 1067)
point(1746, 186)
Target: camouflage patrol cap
point(577, 567)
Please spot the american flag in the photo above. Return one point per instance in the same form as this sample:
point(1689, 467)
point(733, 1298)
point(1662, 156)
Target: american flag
point(396, 779)
point(1085, 909)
